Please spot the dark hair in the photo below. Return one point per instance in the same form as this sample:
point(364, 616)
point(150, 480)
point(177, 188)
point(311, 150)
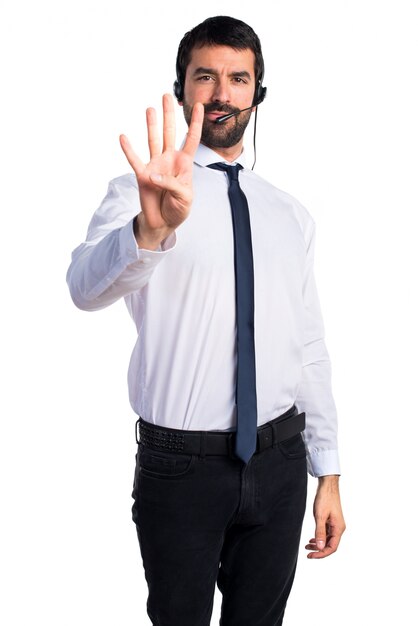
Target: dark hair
point(217, 31)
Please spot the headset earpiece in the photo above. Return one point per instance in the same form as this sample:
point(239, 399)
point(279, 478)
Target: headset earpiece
point(260, 94)
point(178, 90)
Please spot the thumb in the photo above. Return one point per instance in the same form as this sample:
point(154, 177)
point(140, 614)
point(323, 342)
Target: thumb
point(157, 178)
point(172, 184)
point(320, 535)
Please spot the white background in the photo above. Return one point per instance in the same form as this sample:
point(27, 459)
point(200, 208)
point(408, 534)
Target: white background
point(339, 131)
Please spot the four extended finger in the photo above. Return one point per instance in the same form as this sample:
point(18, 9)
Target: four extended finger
point(195, 130)
point(169, 123)
point(154, 142)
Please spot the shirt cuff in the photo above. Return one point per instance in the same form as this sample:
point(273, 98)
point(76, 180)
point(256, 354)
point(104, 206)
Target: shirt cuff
point(323, 463)
point(129, 247)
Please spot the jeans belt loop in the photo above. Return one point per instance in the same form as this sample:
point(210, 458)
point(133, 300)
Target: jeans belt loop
point(274, 436)
point(231, 445)
point(202, 445)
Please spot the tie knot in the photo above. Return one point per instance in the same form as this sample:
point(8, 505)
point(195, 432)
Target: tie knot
point(231, 170)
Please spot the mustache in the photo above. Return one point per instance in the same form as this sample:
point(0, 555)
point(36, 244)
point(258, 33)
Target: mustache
point(221, 108)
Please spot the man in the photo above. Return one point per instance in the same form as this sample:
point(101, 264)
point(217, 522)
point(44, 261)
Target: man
point(215, 265)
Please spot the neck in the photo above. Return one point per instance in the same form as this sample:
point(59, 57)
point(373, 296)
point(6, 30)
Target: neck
point(229, 154)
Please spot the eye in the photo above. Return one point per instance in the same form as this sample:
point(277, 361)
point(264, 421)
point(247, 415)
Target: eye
point(204, 78)
point(239, 80)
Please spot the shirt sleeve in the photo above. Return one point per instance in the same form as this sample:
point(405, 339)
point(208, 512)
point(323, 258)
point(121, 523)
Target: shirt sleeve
point(315, 395)
point(108, 265)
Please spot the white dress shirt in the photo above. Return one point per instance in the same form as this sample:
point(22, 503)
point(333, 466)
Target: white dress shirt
point(182, 300)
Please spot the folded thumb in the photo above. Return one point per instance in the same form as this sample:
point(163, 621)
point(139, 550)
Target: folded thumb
point(320, 538)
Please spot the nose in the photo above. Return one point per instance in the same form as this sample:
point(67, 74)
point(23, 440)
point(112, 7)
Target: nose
point(221, 92)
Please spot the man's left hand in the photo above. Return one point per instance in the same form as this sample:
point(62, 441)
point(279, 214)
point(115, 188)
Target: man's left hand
point(329, 519)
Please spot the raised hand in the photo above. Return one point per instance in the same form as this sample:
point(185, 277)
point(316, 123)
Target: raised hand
point(165, 183)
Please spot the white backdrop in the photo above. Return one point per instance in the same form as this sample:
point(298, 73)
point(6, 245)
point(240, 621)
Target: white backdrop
point(339, 131)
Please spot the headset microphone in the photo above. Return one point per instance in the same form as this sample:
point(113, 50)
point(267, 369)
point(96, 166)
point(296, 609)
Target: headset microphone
point(223, 118)
point(260, 94)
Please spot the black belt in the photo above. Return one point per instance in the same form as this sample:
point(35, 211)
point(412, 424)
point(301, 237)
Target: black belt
point(217, 443)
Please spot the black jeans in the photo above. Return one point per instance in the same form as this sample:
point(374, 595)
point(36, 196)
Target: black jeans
point(212, 520)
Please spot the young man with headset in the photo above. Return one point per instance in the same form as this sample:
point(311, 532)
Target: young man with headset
point(230, 374)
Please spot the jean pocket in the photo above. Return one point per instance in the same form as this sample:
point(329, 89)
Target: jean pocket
point(160, 464)
point(294, 447)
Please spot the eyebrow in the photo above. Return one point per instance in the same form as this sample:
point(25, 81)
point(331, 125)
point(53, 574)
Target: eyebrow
point(210, 70)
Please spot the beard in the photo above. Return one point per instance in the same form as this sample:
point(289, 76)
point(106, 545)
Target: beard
point(224, 135)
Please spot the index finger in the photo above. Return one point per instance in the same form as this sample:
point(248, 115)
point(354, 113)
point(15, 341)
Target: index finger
point(195, 130)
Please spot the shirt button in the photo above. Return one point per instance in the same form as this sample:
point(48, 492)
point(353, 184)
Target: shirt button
point(146, 261)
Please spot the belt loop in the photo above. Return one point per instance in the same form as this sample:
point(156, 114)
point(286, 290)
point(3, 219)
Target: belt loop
point(202, 445)
point(273, 435)
point(231, 445)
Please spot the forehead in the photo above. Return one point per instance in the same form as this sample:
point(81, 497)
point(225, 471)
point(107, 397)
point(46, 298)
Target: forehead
point(222, 58)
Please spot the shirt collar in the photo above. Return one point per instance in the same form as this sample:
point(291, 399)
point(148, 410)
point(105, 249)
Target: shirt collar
point(205, 156)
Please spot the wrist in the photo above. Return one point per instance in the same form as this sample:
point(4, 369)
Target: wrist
point(149, 238)
point(329, 482)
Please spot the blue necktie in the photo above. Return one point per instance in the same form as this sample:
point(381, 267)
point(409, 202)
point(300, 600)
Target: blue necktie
point(246, 396)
